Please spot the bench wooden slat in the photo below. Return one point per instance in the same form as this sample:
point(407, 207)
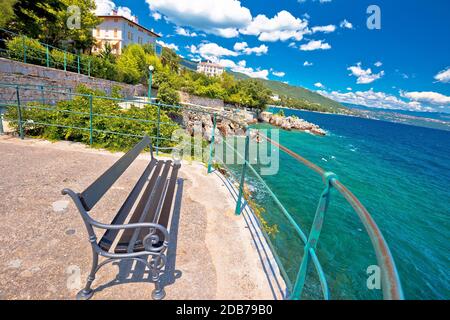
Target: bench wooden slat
point(136, 216)
point(110, 235)
point(163, 218)
point(96, 190)
point(147, 207)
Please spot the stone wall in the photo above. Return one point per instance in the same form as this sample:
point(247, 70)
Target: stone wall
point(15, 72)
point(201, 101)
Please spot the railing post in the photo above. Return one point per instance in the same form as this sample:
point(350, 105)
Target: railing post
point(212, 146)
point(244, 167)
point(1, 122)
point(91, 116)
point(314, 235)
point(89, 68)
point(42, 95)
point(78, 63)
point(48, 56)
point(65, 60)
point(24, 45)
point(19, 113)
point(158, 129)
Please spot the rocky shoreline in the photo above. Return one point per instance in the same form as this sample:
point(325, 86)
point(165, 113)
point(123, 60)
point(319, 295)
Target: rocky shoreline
point(226, 127)
point(291, 123)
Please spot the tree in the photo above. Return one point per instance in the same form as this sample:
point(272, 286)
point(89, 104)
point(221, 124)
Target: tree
point(250, 93)
point(46, 20)
point(171, 59)
point(168, 95)
point(75, 37)
point(35, 18)
point(106, 53)
point(7, 10)
point(80, 38)
point(132, 64)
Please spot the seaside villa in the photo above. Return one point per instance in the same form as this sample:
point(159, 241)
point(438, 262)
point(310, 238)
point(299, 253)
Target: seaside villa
point(119, 31)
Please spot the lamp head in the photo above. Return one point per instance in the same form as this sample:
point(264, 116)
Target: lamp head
point(151, 68)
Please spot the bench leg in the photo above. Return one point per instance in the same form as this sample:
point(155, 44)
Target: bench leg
point(87, 292)
point(158, 293)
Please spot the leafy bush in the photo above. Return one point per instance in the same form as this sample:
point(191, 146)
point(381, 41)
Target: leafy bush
point(19, 47)
point(113, 126)
point(57, 57)
point(168, 95)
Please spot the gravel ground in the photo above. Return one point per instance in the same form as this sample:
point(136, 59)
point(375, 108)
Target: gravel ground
point(45, 253)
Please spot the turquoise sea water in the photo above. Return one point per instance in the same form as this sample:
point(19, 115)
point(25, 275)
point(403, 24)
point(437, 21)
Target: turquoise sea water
point(400, 173)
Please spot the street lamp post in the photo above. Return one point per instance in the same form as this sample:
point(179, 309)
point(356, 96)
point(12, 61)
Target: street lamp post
point(150, 69)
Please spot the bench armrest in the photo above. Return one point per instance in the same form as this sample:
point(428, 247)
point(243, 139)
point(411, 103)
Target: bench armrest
point(148, 241)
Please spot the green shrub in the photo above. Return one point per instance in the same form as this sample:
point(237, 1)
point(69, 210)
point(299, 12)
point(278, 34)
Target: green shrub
point(168, 95)
point(20, 47)
point(113, 126)
point(57, 57)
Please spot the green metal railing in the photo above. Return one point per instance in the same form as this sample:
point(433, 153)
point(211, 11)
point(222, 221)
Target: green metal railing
point(12, 97)
point(32, 51)
point(391, 285)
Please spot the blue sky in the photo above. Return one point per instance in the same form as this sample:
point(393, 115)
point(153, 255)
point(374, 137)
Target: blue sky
point(323, 45)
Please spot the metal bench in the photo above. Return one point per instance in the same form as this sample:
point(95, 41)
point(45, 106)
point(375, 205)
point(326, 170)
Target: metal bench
point(149, 205)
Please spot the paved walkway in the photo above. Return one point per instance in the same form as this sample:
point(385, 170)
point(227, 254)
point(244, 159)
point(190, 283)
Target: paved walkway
point(45, 253)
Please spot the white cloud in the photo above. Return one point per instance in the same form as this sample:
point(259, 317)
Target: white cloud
point(281, 27)
point(443, 76)
point(307, 64)
point(292, 45)
point(374, 99)
point(315, 45)
point(427, 97)
point(167, 45)
point(319, 85)
point(241, 67)
point(106, 7)
point(125, 12)
point(326, 29)
point(184, 32)
point(346, 24)
point(378, 64)
point(244, 48)
point(156, 16)
point(364, 76)
point(239, 46)
point(220, 17)
point(349, 89)
point(212, 51)
point(279, 74)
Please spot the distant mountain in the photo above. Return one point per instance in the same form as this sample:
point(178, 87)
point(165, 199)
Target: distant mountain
point(435, 120)
point(283, 89)
point(430, 115)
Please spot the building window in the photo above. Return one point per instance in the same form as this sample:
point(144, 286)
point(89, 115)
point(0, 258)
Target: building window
point(115, 33)
point(116, 20)
point(129, 35)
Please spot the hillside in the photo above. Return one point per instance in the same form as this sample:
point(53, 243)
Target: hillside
point(294, 92)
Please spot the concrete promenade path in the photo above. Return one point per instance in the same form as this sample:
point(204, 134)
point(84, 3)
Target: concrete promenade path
point(44, 252)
